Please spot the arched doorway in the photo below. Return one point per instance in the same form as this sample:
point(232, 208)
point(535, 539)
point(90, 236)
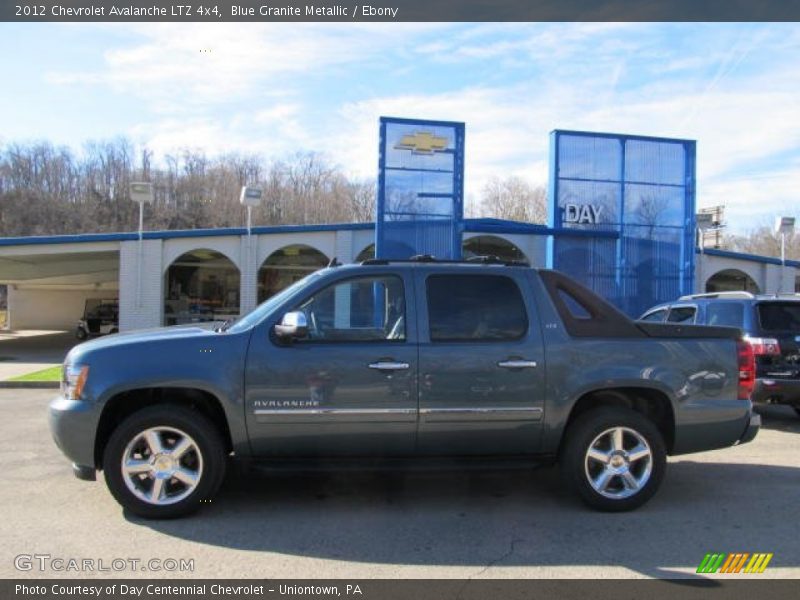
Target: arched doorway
point(732, 280)
point(201, 285)
point(366, 254)
point(287, 265)
point(491, 245)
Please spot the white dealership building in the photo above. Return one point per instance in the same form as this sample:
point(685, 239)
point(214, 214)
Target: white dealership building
point(175, 277)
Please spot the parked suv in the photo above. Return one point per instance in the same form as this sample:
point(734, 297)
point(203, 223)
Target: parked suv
point(405, 362)
point(770, 323)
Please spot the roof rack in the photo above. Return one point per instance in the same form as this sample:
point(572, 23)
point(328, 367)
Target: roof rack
point(427, 258)
point(734, 294)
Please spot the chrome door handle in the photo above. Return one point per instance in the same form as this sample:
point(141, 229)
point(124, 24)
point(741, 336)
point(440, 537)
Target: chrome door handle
point(389, 366)
point(517, 364)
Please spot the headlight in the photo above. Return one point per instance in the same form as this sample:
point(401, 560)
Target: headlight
point(73, 378)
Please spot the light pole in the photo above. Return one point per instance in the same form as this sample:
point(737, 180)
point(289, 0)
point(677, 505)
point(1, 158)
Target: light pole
point(783, 226)
point(141, 192)
point(250, 197)
point(703, 222)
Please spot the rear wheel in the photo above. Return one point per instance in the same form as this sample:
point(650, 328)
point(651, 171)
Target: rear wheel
point(80, 333)
point(164, 461)
point(797, 410)
point(614, 458)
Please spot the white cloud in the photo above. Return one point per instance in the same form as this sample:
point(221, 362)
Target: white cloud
point(755, 198)
point(267, 133)
point(185, 66)
point(732, 88)
point(507, 131)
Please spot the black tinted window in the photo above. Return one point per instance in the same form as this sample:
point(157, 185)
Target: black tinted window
point(682, 314)
point(779, 316)
point(726, 314)
point(475, 308)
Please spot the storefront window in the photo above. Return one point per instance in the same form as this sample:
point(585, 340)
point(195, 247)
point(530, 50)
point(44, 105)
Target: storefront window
point(285, 266)
point(490, 245)
point(201, 285)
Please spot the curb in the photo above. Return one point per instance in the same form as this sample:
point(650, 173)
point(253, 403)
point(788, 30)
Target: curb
point(54, 385)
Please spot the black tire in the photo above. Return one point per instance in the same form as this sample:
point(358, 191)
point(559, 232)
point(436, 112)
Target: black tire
point(595, 427)
point(797, 410)
point(207, 456)
point(80, 333)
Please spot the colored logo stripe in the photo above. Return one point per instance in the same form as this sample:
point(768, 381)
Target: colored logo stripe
point(758, 563)
point(734, 562)
point(710, 563)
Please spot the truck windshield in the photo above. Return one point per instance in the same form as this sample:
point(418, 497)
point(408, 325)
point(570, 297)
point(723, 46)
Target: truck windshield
point(266, 307)
point(780, 316)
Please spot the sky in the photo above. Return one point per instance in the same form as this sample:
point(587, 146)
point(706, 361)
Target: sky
point(278, 88)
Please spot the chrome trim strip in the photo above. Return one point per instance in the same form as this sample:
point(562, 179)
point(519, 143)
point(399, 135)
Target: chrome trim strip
point(335, 411)
point(493, 414)
point(480, 410)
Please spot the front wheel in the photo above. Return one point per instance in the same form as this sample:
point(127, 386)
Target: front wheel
point(614, 458)
point(164, 461)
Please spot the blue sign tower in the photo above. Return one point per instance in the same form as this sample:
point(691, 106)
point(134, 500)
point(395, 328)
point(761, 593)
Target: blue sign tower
point(641, 190)
point(420, 189)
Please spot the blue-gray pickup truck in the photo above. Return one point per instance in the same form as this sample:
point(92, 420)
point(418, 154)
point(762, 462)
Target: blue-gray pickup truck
point(389, 363)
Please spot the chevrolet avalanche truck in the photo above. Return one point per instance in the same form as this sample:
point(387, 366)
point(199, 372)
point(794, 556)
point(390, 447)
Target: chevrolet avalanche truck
point(398, 363)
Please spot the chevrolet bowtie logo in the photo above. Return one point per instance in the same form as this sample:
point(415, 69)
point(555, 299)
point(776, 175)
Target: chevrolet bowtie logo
point(422, 142)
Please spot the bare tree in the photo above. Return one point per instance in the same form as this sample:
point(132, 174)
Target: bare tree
point(765, 242)
point(363, 201)
point(514, 199)
point(649, 211)
point(51, 190)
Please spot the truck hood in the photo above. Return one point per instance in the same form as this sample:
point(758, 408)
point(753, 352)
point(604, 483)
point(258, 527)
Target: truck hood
point(139, 337)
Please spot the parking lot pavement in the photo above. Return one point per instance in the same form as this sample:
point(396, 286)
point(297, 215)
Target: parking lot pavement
point(422, 524)
point(23, 352)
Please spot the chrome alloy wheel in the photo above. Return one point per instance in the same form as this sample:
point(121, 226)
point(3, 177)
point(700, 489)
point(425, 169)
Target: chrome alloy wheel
point(162, 465)
point(619, 463)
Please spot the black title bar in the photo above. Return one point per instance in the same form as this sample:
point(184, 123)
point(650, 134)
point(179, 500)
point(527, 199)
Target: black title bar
point(399, 10)
point(382, 589)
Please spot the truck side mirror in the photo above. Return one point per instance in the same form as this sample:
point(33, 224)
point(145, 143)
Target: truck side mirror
point(293, 325)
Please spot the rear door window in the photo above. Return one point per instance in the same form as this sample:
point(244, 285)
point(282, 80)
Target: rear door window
point(725, 314)
point(475, 308)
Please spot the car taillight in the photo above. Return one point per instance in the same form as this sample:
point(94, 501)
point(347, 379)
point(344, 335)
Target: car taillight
point(747, 369)
point(764, 346)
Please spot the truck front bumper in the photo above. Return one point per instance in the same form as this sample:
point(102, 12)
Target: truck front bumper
point(73, 424)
